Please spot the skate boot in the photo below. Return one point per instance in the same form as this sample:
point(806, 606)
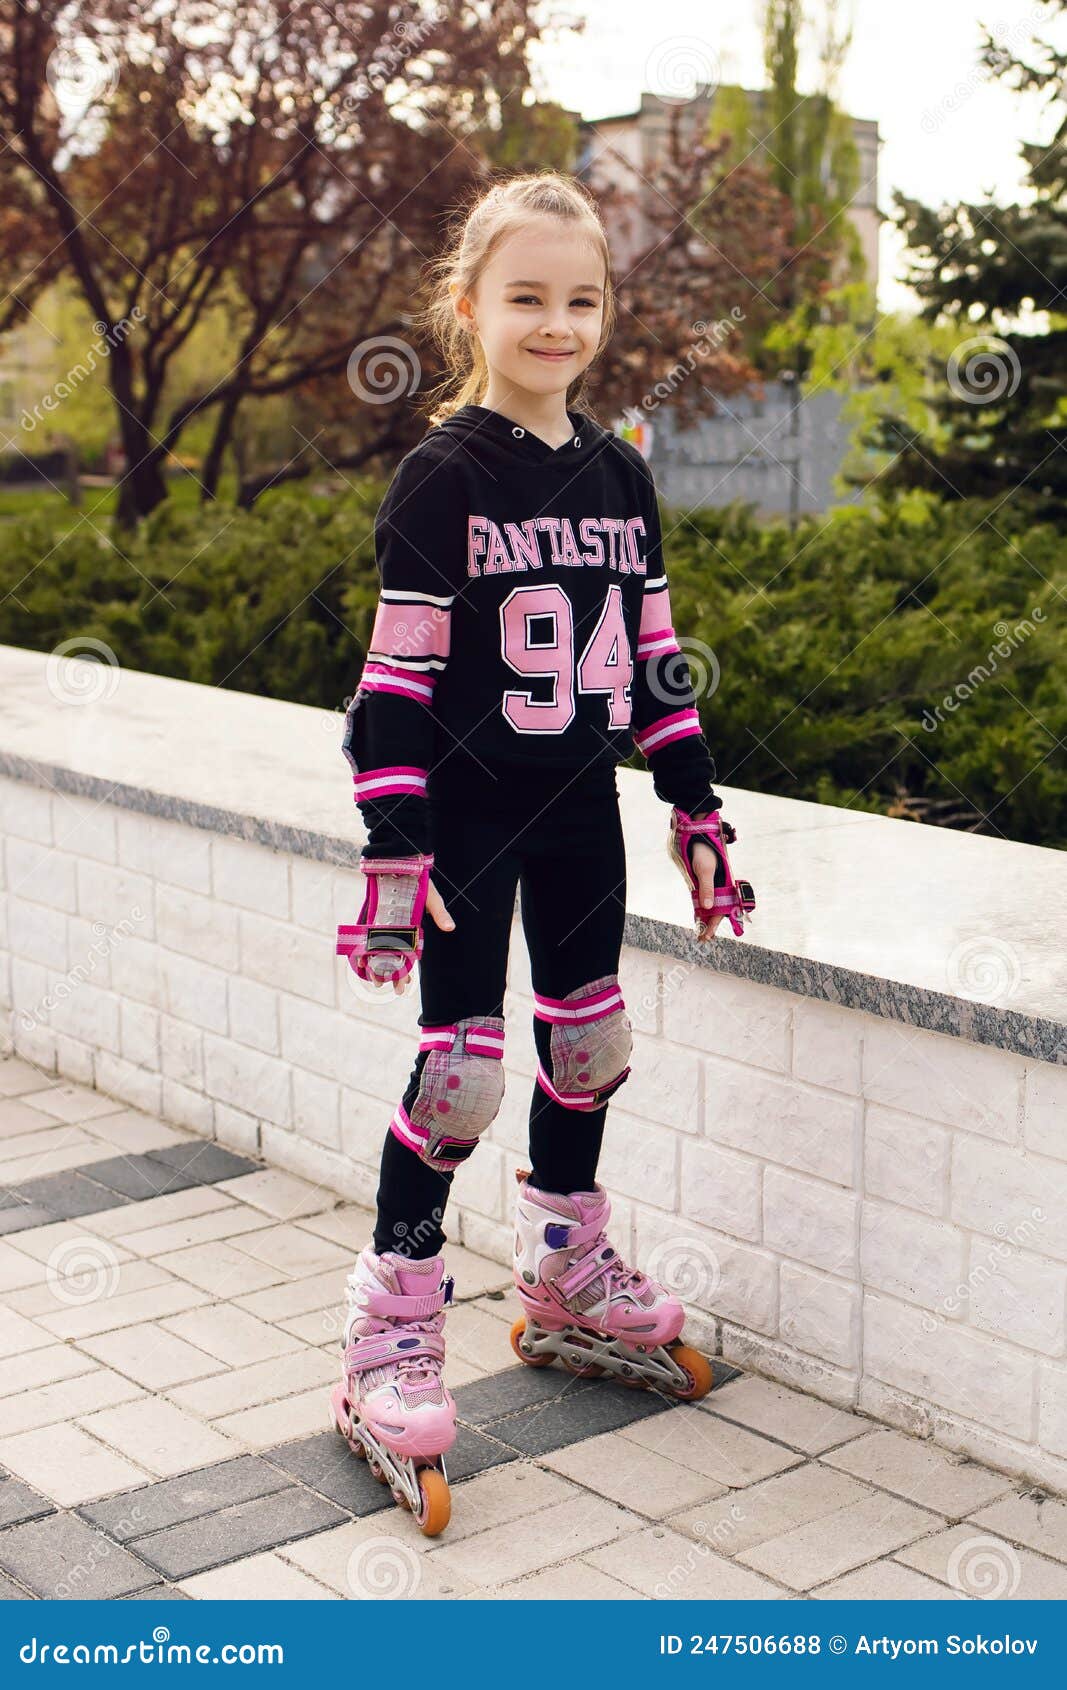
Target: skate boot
point(583, 1304)
point(391, 1404)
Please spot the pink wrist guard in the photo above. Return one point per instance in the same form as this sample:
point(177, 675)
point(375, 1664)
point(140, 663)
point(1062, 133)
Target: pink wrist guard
point(734, 898)
point(385, 943)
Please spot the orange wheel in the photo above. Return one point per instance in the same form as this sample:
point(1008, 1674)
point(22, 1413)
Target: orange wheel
point(435, 1508)
point(698, 1368)
point(516, 1336)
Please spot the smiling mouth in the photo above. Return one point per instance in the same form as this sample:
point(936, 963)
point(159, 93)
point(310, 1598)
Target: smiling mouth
point(537, 353)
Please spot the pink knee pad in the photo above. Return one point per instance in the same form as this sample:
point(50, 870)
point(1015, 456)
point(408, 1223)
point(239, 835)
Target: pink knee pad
point(589, 1045)
point(460, 1090)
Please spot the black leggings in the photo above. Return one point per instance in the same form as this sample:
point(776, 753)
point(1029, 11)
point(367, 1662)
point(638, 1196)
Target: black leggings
point(565, 852)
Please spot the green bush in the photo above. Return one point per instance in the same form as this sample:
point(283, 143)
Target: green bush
point(827, 649)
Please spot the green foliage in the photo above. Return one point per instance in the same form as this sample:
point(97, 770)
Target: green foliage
point(837, 645)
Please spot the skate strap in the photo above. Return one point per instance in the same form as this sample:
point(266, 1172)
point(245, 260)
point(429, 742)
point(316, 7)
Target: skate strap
point(408, 1307)
point(591, 1266)
point(479, 1039)
point(578, 1099)
point(378, 1348)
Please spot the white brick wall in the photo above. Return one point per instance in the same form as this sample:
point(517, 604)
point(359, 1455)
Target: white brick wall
point(871, 1212)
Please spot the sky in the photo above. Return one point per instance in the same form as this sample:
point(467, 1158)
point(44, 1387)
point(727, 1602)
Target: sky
point(948, 131)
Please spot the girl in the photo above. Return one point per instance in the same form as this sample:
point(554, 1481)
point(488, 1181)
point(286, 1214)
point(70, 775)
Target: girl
point(517, 655)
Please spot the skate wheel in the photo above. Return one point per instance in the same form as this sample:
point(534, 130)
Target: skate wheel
point(582, 1369)
point(698, 1368)
point(517, 1332)
point(435, 1503)
point(377, 1470)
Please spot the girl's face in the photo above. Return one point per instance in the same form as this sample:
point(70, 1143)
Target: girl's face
point(538, 307)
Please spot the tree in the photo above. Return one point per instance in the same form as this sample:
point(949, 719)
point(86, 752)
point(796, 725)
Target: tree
point(997, 409)
point(290, 158)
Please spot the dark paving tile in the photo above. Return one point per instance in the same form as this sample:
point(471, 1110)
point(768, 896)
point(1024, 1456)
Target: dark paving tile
point(66, 1195)
point(513, 1388)
point(151, 1508)
point(19, 1501)
point(138, 1177)
point(233, 1533)
point(63, 1559)
point(587, 1407)
point(205, 1160)
point(472, 1453)
point(325, 1464)
point(158, 1593)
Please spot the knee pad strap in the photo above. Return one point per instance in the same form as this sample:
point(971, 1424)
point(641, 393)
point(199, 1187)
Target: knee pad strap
point(460, 1088)
point(589, 1043)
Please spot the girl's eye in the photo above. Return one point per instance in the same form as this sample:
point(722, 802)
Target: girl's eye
point(530, 298)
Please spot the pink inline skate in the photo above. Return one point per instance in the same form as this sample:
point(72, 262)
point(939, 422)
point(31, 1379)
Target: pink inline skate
point(586, 1306)
point(391, 1404)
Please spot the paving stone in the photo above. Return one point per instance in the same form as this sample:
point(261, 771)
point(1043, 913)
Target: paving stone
point(299, 1296)
point(19, 1501)
point(109, 1313)
point(63, 1196)
point(667, 1567)
point(140, 1176)
point(17, 1334)
point(162, 1438)
point(153, 1356)
point(826, 1548)
point(297, 1253)
point(87, 1276)
point(50, 1404)
point(326, 1464)
point(42, 1366)
point(60, 1558)
point(17, 1077)
point(886, 1581)
point(16, 1216)
point(67, 1465)
point(157, 1593)
point(204, 1161)
point(157, 1211)
point(232, 1533)
point(260, 1578)
point(221, 1268)
point(746, 1517)
point(573, 1581)
point(71, 1102)
point(10, 1591)
point(285, 1196)
point(153, 1507)
point(973, 1560)
point(247, 1389)
point(133, 1132)
point(500, 1495)
point(224, 1222)
point(802, 1422)
point(529, 1544)
point(231, 1335)
point(920, 1472)
point(1041, 1525)
point(270, 1423)
point(730, 1454)
point(636, 1478)
point(380, 1558)
point(514, 1388)
point(575, 1415)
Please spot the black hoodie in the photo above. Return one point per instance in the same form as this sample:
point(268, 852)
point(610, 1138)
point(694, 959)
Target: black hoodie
point(523, 630)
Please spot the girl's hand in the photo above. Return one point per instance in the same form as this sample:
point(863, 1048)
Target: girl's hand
point(707, 866)
point(435, 906)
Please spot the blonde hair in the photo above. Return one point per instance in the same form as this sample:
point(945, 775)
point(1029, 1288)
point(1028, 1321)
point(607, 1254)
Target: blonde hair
point(503, 209)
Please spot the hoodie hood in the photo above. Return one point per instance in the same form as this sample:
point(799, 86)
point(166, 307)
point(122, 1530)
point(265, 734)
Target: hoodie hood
point(491, 433)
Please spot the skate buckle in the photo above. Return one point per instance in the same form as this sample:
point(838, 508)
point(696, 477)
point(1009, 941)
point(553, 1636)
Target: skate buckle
point(448, 1285)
